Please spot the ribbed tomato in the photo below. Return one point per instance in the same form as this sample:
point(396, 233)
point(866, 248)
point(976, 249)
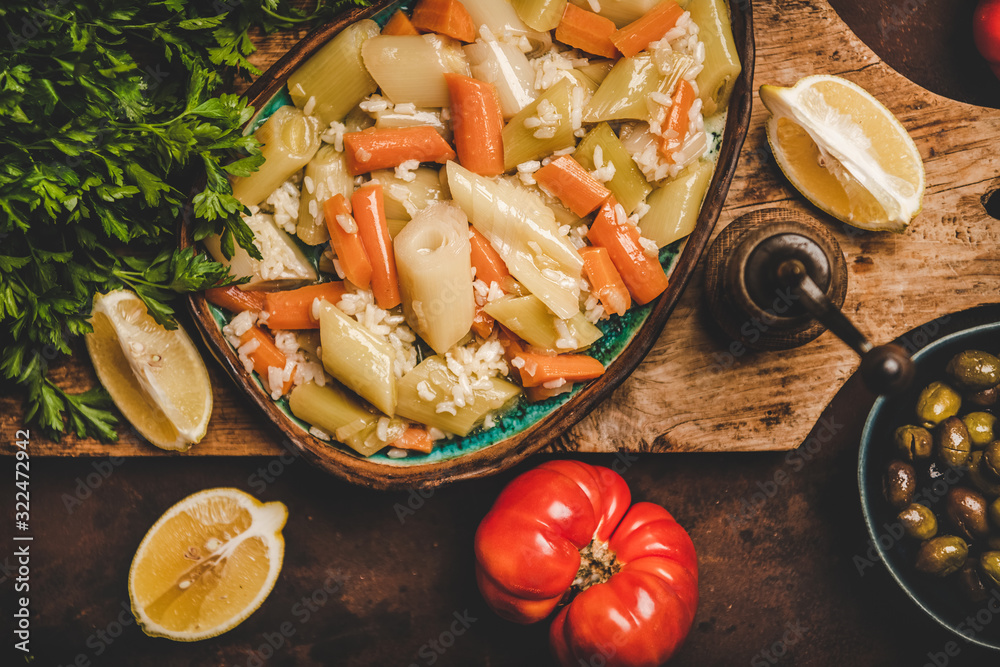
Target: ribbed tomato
point(986, 31)
point(564, 532)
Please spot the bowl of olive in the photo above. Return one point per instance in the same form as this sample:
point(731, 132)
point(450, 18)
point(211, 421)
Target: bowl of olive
point(929, 475)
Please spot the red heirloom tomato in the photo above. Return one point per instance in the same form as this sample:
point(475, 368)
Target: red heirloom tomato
point(986, 31)
point(564, 532)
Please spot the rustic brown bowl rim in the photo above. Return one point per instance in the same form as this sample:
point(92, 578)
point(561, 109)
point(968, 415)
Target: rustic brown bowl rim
point(510, 451)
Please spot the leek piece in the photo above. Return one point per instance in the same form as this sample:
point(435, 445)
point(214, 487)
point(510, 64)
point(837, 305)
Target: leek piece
point(327, 172)
point(434, 371)
point(540, 14)
point(335, 78)
point(411, 68)
point(597, 70)
point(624, 92)
point(523, 144)
point(501, 19)
point(674, 206)
point(357, 120)
point(333, 410)
point(722, 63)
point(628, 185)
point(622, 12)
point(359, 359)
point(524, 233)
point(283, 264)
point(395, 226)
point(505, 67)
point(290, 139)
point(528, 317)
point(585, 82)
point(404, 199)
point(391, 118)
point(434, 261)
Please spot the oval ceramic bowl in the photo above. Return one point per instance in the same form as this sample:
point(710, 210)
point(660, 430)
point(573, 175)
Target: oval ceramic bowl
point(525, 428)
point(939, 599)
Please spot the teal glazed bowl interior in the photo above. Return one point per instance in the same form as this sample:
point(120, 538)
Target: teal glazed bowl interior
point(525, 428)
point(940, 599)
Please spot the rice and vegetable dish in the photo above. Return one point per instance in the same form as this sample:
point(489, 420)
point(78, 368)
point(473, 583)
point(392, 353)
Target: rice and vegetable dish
point(455, 201)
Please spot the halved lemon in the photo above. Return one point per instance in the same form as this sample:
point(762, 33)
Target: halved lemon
point(154, 375)
point(845, 152)
point(206, 564)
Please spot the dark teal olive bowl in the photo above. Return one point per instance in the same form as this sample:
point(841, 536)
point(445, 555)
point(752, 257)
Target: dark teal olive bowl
point(941, 599)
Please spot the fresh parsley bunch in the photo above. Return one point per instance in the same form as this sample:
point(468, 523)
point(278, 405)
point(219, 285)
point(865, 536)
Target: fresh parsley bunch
point(108, 115)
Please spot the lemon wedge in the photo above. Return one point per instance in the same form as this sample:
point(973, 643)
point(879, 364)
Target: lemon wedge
point(155, 376)
point(206, 564)
point(845, 152)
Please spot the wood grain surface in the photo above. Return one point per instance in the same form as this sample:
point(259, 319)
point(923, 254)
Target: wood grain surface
point(698, 390)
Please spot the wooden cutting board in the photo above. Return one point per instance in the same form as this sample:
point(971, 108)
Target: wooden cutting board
point(698, 390)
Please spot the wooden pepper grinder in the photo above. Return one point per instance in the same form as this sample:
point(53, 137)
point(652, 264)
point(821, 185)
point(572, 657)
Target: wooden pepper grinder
point(776, 279)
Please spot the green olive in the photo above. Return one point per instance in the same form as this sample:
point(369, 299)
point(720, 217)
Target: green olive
point(974, 370)
point(994, 512)
point(984, 398)
point(953, 442)
point(971, 583)
point(918, 521)
point(966, 510)
point(913, 442)
point(900, 484)
point(942, 555)
point(991, 457)
point(990, 564)
point(980, 427)
point(985, 481)
point(937, 402)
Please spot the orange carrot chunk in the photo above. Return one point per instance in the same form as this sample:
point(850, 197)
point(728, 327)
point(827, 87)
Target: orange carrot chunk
point(415, 438)
point(399, 24)
point(482, 323)
point(512, 347)
point(265, 356)
point(642, 274)
point(490, 267)
point(385, 148)
point(369, 212)
point(292, 309)
point(446, 17)
point(651, 27)
point(346, 242)
point(477, 120)
point(568, 181)
point(235, 300)
point(539, 369)
point(606, 283)
point(678, 120)
point(536, 394)
point(587, 31)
